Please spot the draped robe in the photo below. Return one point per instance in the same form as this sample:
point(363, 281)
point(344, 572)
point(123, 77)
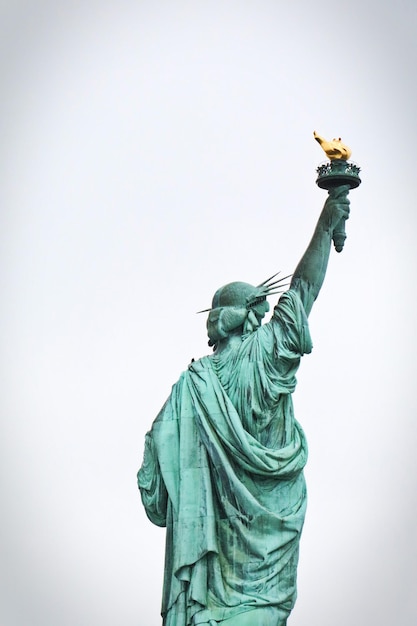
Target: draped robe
point(223, 471)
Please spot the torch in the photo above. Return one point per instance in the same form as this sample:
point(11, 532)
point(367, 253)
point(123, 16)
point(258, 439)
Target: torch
point(334, 173)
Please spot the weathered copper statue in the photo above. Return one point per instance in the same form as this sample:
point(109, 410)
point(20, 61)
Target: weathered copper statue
point(223, 463)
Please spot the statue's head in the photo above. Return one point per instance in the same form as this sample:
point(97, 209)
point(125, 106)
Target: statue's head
point(238, 308)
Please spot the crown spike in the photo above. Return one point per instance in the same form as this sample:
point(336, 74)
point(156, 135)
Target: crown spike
point(272, 293)
point(276, 282)
point(268, 279)
point(267, 283)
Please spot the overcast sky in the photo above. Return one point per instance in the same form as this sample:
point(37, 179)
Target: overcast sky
point(150, 153)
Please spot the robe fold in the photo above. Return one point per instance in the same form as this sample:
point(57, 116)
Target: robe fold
point(223, 471)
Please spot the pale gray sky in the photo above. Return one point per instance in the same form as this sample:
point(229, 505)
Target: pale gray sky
point(151, 152)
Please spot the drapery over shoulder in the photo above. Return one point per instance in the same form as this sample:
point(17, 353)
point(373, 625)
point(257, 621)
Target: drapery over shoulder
point(223, 471)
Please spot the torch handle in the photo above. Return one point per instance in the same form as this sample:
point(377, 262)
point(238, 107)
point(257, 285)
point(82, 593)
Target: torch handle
point(339, 235)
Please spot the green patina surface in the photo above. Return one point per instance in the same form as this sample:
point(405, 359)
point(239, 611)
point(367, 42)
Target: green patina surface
point(223, 463)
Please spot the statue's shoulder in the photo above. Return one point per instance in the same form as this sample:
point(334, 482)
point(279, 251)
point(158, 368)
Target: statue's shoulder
point(288, 298)
point(289, 307)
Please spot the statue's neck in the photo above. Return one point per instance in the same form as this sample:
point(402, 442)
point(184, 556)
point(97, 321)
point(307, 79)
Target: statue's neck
point(229, 344)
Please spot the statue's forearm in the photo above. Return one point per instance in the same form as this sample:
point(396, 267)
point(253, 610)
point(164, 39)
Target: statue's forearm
point(311, 270)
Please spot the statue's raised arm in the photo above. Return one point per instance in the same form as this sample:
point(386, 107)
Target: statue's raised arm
point(311, 270)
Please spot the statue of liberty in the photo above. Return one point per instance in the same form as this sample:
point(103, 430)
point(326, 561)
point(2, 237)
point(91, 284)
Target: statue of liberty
point(223, 462)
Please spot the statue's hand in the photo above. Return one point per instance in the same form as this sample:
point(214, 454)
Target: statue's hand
point(336, 207)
